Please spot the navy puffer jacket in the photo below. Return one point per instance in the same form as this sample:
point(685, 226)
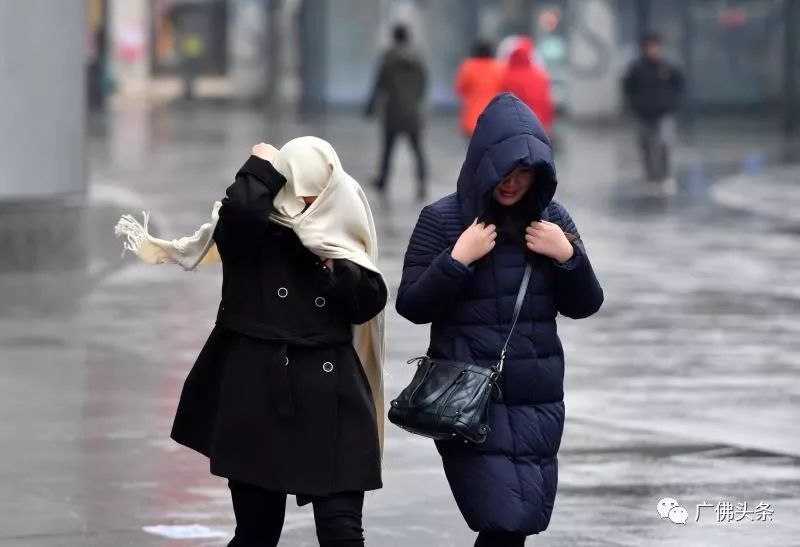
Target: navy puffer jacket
point(508, 483)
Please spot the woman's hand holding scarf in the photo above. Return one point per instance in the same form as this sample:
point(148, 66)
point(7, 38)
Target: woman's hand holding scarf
point(265, 152)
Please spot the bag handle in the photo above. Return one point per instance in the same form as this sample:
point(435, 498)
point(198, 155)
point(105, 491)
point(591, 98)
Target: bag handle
point(523, 290)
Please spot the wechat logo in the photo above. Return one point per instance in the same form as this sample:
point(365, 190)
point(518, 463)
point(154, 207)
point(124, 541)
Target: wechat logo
point(669, 508)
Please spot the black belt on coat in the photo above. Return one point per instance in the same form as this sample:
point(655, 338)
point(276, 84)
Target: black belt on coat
point(267, 331)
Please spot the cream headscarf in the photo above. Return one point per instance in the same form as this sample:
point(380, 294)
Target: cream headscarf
point(338, 225)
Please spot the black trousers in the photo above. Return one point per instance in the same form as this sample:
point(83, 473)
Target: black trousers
point(656, 141)
point(260, 514)
point(499, 539)
point(389, 140)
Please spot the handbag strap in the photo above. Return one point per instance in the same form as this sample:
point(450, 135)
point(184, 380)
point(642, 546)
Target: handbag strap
point(523, 290)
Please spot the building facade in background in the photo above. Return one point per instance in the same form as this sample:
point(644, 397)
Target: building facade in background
point(739, 55)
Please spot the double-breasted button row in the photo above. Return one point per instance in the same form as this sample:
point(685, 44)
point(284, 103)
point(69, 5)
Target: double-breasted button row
point(327, 366)
point(319, 301)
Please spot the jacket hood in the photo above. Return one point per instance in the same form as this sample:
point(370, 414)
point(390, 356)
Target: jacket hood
point(508, 134)
point(519, 59)
point(522, 54)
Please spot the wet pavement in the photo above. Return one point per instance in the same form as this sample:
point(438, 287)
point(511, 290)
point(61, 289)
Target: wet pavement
point(685, 385)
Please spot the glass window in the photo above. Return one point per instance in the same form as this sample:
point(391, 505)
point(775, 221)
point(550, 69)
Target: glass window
point(737, 52)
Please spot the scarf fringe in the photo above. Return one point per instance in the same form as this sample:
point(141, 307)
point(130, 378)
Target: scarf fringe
point(136, 233)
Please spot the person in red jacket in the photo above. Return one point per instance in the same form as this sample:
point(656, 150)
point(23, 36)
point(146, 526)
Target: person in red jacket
point(477, 83)
point(530, 82)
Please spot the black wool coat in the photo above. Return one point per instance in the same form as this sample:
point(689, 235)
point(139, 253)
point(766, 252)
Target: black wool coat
point(278, 397)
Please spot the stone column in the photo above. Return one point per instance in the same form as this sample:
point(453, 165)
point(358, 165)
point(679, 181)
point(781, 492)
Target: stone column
point(129, 46)
point(594, 87)
point(42, 98)
point(43, 173)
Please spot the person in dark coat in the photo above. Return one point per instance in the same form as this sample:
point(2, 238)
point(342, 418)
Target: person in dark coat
point(653, 88)
point(279, 398)
point(461, 273)
point(398, 94)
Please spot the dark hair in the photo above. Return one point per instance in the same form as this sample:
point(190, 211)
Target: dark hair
point(651, 38)
point(400, 34)
point(511, 221)
point(482, 48)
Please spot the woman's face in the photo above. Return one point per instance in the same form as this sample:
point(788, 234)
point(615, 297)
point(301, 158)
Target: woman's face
point(514, 186)
point(309, 199)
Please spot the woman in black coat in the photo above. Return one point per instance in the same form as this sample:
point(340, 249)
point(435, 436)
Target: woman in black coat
point(278, 399)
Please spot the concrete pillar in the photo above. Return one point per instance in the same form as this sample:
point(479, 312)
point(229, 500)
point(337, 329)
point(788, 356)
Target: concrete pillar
point(43, 174)
point(790, 110)
point(129, 46)
point(313, 34)
point(594, 88)
point(42, 98)
point(248, 58)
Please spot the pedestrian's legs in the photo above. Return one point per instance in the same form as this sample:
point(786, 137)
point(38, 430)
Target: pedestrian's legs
point(389, 138)
point(338, 520)
point(422, 166)
point(259, 515)
point(649, 142)
point(666, 134)
point(500, 539)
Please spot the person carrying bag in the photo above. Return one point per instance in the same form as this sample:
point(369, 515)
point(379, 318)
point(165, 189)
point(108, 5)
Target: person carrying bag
point(494, 355)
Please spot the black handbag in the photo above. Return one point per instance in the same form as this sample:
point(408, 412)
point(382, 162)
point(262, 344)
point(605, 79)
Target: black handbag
point(449, 400)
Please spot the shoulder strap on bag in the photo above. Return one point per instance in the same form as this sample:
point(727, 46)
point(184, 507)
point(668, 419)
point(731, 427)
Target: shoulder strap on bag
point(523, 290)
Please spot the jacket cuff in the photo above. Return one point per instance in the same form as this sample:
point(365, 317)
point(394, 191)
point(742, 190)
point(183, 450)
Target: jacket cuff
point(451, 266)
point(264, 171)
point(572, 263)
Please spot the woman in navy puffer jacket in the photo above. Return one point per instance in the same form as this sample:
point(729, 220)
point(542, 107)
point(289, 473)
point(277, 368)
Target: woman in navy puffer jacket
point(463, 275)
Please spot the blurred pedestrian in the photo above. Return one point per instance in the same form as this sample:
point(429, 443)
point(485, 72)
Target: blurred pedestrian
point(286, 396)
point(477, 82)
point(653, 88)
point(530, 83)
point(398, 93)
point(467, 256)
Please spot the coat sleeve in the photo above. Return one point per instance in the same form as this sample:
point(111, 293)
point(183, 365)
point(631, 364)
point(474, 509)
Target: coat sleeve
point(246, 207)
point(432, 279)
point(678, 82)
point(378, 86)
point(630, 86)
point(359, 293)
point(423, 80)
point(578, 292)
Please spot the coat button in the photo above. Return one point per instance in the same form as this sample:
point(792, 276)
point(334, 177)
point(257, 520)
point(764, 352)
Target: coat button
point(319, 302)
point(283, 292)
point(286, 363)
point(327, 366)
